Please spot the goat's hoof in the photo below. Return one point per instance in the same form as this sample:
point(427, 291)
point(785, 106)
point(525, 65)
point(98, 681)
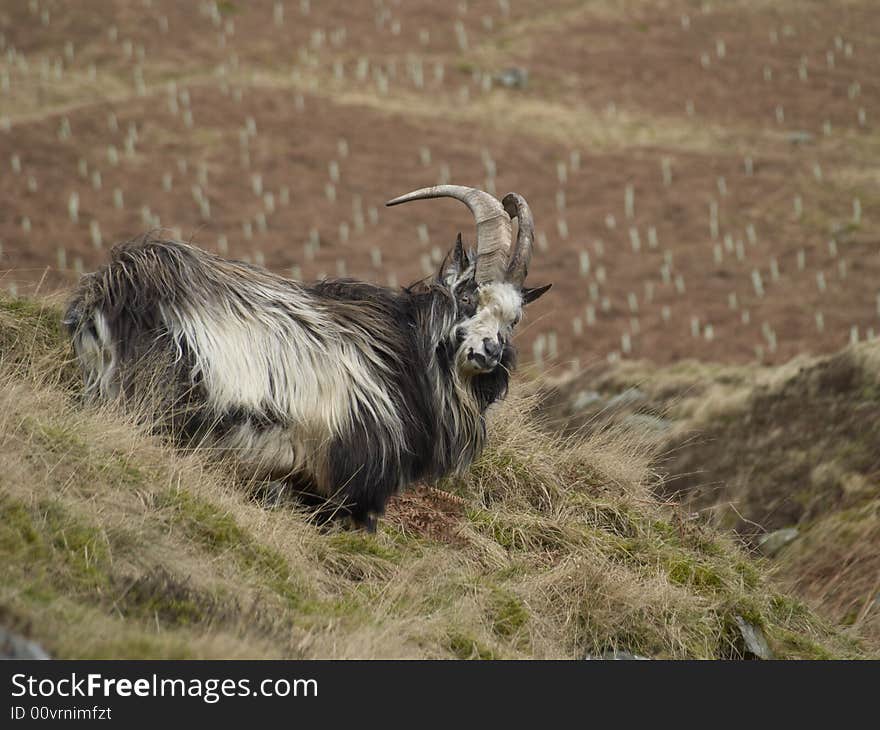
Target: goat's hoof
point(369, 522)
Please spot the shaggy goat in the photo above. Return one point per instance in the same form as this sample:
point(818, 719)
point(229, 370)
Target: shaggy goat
point(343, 390)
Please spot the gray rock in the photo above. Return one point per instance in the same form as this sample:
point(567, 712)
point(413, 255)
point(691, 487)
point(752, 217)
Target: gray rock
point(771, 543)
point(586, 399)
point(629, 397)
point(13, 646)
point(615, 655)
point(514, 77)
point(800, 137)
point(647, 422)
point(753, 638)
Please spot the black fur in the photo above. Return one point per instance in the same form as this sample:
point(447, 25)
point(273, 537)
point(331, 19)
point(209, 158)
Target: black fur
point(356, 467)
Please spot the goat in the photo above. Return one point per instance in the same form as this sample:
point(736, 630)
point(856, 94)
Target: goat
point(343, 390)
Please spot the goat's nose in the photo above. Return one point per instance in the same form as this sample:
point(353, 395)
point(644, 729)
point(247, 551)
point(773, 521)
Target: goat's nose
point(478, 357)
point(492, 348)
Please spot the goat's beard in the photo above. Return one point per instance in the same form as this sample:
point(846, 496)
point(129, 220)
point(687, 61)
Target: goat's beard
point(469, 369)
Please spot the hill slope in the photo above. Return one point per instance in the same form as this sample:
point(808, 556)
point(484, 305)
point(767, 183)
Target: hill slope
point(786, 456)
point(114, 545)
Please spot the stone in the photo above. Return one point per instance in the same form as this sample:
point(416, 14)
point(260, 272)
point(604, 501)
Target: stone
point(800, 137)
point(615, 655)
point(753, 638)
point(13, 646)
point(771, 543)
point(647, 423)
point(586, 399)
point(514, 77)
point(629, 397)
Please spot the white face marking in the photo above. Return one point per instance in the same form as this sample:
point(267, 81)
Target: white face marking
point(499, 308)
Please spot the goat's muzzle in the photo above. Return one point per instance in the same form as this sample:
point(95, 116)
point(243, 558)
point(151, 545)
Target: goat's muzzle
point(487, 358)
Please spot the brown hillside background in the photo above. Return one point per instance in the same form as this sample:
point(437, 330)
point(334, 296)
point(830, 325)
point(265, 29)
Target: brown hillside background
point(702, 173)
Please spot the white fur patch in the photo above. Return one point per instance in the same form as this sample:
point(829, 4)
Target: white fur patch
point(502, 300)
point(285, 356)
point(499, 306)
point(97, 357)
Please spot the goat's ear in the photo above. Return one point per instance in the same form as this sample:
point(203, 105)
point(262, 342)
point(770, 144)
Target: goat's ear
point(454, 263)
point(530, 295)
point(458, 257)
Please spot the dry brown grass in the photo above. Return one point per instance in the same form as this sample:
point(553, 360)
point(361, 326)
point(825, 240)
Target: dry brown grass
point(835, 565)
point(115, 545)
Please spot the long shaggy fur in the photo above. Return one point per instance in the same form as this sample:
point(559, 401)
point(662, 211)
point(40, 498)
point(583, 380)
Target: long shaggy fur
point(345, 390)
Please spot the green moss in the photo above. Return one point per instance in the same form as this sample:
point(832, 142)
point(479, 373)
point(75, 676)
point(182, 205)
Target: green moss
point(127, 473)
point(870, 391)
point(515, 534)
point(227, 7)
point(496, 529)
point(58, 551)
point(406, 543)
point(169, 600)
point(83, 548)
point(796, 645)
point(701, 541)
point(498, 463)
point(32, 340)
point(202, 521)
point(355, 543)
point(33, 313)
point(687, 572)
point(19, 536)
point(627, 550)
point(664, 530)
point(748, 610)
point(60, 435)
point(613, 519)
point(38, 590)
point(137, 647)
point(59, 438)
point(748, 572)
point(466, 647)
point(508, 614)
point(639, 632)
point(275, 571)
point(785, 608)
point(218, 531)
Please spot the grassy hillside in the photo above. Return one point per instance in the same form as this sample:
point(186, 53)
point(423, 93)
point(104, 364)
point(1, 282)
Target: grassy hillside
point(114, 545)
point(787, 454)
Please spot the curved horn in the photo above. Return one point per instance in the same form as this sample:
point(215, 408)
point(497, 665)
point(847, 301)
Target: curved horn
point(517, 207)
point(494, 232)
